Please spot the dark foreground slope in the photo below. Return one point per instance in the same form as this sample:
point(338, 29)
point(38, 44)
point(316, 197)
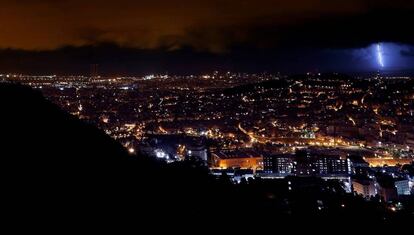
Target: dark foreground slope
point(58, 172)
point(54, 165)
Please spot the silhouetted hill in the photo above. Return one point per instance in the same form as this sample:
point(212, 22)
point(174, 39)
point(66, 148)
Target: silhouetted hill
point(31, 123)
point(55, 164)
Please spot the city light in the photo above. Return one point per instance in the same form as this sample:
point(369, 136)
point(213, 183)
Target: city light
point(159, 153)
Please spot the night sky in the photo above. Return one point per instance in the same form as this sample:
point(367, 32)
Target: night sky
point(127, 37)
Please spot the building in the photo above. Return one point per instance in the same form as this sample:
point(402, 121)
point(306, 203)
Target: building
point(280, 164)
point(199, 151)
point(304, 163)
point(244, 159)
point(403, 186)
point(387, 190)
point(331, 165)
point(364, 187)
point(359, 165)
point(321, 164)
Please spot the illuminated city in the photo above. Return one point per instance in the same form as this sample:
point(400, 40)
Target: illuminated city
point(333, 114)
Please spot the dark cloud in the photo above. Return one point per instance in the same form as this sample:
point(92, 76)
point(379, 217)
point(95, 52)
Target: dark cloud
point(112, 60)
point(116, 60)
point(130, 37)
point(212, 25)
point(407, 52)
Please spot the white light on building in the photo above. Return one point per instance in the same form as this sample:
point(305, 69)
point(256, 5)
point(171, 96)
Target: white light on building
point(159, 153)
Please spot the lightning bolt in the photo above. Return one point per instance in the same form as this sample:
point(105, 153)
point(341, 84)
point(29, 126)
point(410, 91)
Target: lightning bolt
point(379, 56)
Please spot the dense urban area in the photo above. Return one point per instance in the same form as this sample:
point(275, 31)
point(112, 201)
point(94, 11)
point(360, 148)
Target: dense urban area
point(358, 131)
